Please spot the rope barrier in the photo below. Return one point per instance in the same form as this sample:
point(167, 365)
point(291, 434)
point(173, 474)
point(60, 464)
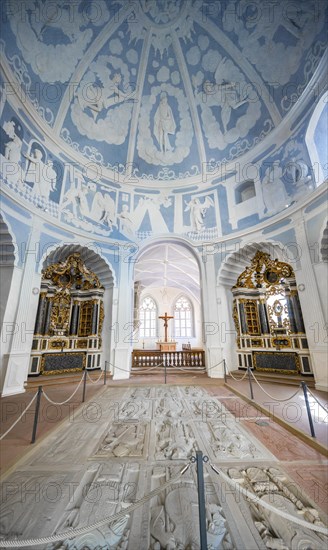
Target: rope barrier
point(153, 368)
point(237, 379)
point(73, 533)
point(162, 364)
point(118, 368)
point(19, 418)
point(274, 398)
point(167, 366)
point(317, 400)
point(268, 506)
point(66, 400)
point(95, 381)
point(188, 370)
point(148, 369)
point(217, 364)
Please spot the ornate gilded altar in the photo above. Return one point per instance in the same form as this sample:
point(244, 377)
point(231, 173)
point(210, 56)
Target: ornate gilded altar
point(268, 318)
point(67, 334)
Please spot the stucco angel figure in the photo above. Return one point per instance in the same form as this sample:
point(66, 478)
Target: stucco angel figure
point(198, 211)
point(274, 193)
point(228, 93)
point(76, 197)
point(126, 223)
point(103, 209)
point(164, 124)
point(103, 98)
point(34, 170)
point(59, 16)
point(13, 149)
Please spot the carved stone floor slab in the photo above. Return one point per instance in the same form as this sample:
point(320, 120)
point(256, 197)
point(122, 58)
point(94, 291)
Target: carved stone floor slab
point(130, 441)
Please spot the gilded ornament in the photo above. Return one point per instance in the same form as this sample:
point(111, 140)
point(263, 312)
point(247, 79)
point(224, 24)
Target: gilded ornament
point(263, 271)
point(72, 273)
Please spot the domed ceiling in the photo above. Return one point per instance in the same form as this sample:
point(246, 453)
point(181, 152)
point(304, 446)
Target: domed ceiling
point(163, 86)
point(160, 93)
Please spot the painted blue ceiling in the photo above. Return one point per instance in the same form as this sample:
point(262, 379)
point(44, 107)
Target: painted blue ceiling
point(163, 86)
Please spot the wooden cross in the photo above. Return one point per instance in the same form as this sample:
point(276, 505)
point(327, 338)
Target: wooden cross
point(165, 318)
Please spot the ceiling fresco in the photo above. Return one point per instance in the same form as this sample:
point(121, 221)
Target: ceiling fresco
point(163, 83)
point(144, 116)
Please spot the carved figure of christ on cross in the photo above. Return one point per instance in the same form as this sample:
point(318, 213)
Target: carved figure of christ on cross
point(165, 318)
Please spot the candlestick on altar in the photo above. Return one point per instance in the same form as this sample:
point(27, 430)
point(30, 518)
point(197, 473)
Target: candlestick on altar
point(165, 318)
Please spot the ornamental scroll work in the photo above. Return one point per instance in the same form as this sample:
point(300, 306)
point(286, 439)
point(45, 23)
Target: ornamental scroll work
point(264, 271)
point(72, 273)
point(60, 313)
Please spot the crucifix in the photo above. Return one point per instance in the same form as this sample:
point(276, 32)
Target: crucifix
point(165, 318)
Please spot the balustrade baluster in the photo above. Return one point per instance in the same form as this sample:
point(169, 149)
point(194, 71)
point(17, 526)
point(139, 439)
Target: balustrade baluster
point(172, 359)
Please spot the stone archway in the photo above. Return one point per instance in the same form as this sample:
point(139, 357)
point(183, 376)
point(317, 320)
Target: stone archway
point(164, 271)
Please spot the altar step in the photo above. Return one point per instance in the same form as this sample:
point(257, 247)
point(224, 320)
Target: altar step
point(57, 379)
point(291, 380)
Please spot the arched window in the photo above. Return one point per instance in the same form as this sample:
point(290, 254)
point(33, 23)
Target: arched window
point(183, 318)
point(324, 245)
point(148, 318)
point(316, 140)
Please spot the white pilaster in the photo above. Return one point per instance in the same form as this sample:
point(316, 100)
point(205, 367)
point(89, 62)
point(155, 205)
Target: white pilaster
point(18, 356)
point(9, 326)
point(227, 327)
point(124, 323)
point(212, 329)
point(107, 332)
point(311, 309)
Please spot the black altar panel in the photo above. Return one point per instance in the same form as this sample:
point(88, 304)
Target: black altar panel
point(270, 361)
point(55, 363)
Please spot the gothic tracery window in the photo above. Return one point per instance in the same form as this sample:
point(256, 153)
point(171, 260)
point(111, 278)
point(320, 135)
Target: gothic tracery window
point(148, 318)
point(183, 319)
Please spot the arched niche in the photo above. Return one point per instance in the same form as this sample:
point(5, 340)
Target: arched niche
point(268, 318)
point(237, 261)
point(75, 298)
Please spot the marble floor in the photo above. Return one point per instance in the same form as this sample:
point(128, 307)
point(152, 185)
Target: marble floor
point(275, 398)
point(130, 439)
